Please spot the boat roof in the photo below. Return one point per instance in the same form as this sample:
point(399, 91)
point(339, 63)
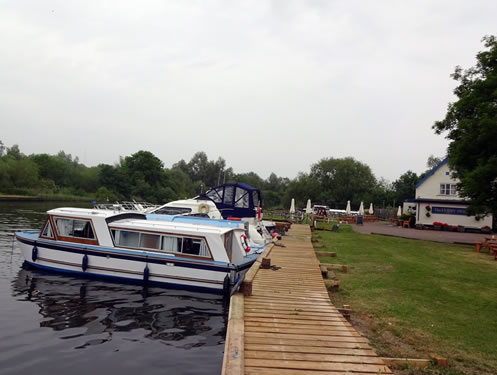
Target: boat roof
point(85, 212)
point(164, 226)
point(196, 220)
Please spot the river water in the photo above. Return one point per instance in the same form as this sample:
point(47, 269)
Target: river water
point(57, 324)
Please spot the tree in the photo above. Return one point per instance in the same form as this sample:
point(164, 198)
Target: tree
point(405, 186)
point(342, 179)
point(471, 126)
point(433, 161)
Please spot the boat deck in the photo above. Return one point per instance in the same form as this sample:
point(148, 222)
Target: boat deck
point(286, 324)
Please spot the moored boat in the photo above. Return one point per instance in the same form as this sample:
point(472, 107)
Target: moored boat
point(125, 245)
point(227, 201)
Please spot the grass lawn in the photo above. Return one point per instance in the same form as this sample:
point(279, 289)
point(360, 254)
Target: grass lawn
point(418, 298)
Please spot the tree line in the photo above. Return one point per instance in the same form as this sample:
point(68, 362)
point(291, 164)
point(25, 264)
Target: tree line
point(142, 176)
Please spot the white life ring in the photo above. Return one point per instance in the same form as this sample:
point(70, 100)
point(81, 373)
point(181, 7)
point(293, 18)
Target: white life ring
point(203, 208)
point(244, 242)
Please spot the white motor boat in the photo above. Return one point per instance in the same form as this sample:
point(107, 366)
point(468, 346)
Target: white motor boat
point(230, 201)
point(127, 245)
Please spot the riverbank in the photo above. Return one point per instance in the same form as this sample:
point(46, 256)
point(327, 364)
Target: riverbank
point(17, 198)
point(45, 198)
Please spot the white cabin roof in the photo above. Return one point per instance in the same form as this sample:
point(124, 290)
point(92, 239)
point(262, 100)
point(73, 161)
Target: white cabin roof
point(167, 226)
point(83, 212)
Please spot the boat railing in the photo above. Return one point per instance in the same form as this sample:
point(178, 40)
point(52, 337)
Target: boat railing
point(127, 206)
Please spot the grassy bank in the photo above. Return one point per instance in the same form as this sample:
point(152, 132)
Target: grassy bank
point(419, 298)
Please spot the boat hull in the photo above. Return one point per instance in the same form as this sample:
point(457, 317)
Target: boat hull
point(129, 265)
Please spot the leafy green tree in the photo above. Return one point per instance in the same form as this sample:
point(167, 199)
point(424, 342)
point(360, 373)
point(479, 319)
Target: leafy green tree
point(405, 186)
point(342, 179)
point(382, 195)
point(302, 188)
point(471, 126)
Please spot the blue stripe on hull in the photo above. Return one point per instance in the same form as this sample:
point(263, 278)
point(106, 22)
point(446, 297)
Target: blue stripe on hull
point(126, 280)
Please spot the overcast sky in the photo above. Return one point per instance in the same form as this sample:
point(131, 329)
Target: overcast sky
point(270, 86)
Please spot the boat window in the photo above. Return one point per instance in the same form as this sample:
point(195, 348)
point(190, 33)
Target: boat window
point(149, 241)
point(172, 211)
point(216, 194)
point(74, 228)
point(172, 244)
point(127, 238)
point(241, 198)
point(255, 198)
point(228, 244)
point(47, 231)
point(228, 195)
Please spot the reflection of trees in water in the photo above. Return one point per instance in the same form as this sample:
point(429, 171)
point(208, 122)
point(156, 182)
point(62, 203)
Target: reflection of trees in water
point(100, 307)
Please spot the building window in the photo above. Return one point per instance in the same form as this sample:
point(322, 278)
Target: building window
point(447, 189)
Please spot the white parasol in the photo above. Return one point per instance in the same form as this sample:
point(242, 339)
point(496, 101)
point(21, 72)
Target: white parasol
point(292, 206)
point(308, 209)
point(361, 209)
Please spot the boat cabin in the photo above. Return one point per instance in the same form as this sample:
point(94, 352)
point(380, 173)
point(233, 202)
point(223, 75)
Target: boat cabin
point(134, 231)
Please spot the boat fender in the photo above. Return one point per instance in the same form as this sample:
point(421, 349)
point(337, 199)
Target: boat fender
point(84, 263)
point(226, 286)
point(34, 254)
point(244, 242)
point(146, 274)
point(203, 208)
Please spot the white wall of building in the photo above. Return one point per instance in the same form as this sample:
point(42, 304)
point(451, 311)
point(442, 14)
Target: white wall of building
point(430, 189)
point(464, 220)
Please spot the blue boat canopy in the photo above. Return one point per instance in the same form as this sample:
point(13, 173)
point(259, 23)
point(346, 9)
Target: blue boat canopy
point(234, 199)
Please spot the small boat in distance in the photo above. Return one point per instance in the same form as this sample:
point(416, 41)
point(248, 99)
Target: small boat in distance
point(128, 246)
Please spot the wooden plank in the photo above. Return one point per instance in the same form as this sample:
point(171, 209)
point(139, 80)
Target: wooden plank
point(280, 371)
point(296, 322)
point(309, 349)
point(306, 337)
point(305, 343)
point(322, 366)
point(343, 331)
point(311, 318)
point(233, 362)
point(340, 358)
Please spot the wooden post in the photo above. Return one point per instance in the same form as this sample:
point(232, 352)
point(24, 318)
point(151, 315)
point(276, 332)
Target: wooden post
point(266, 263)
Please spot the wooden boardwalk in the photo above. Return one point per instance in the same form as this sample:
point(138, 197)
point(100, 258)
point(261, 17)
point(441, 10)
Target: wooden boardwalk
point(286, 324)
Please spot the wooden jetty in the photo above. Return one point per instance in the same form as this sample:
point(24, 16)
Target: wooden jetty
point(283, 322)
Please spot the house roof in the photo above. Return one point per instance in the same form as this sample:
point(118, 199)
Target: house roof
point(432, 172)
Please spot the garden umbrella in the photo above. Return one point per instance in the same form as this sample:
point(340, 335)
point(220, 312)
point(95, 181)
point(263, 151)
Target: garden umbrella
point(347, 210)
point(292, 206)
point(361, 209)
point(399, 211)
point(371, 208)
point(308, 209)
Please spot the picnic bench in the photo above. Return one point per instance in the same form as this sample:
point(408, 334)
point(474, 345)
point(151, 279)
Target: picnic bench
point(490, 243)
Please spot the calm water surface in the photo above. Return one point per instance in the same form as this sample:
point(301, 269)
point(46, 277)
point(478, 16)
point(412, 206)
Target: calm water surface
point(57, 324)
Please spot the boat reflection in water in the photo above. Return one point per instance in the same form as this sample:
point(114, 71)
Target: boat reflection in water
point(177, 324)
